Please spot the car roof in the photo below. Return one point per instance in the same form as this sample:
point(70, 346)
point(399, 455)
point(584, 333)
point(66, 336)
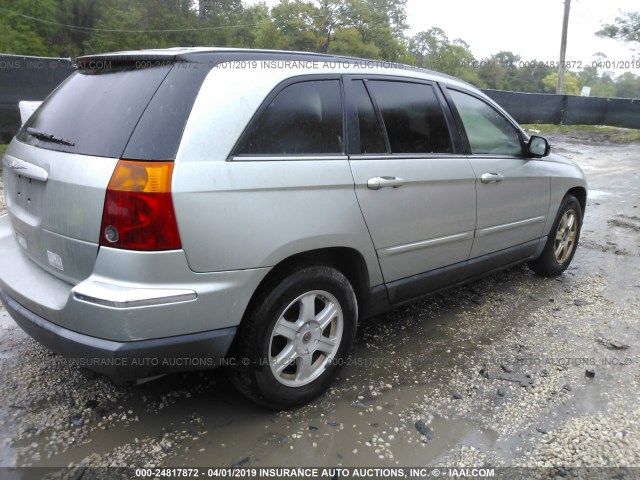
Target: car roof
point(221, 54)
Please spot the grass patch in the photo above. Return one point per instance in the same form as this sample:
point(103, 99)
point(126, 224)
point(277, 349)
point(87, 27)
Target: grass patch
point(593, 132)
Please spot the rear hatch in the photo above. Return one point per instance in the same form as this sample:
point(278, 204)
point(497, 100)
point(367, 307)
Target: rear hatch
point(57, 169)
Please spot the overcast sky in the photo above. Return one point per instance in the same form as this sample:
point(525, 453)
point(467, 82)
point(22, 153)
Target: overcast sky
point(529, 29)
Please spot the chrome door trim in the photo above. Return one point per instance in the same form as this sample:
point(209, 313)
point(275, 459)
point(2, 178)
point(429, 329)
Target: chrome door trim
point(409, 247)
point(509, 226)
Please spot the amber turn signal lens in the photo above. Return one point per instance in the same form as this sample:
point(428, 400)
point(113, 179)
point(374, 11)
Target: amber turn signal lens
point(148, 177)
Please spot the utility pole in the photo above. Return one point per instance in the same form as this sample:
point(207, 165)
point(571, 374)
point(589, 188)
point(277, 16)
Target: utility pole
point(563, 47)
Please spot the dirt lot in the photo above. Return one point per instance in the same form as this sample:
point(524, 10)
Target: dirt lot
point(495, 373)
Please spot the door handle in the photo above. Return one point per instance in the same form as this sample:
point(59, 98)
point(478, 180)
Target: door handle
point(491, 177)
point(376, 183)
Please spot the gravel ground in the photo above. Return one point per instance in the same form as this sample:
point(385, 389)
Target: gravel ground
point(2, 209)
point(512, 370)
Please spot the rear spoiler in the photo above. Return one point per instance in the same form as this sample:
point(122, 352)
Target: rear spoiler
point(109, 60)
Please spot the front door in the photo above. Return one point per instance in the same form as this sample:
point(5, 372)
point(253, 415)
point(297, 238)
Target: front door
point(416, 192)
point(512, 190)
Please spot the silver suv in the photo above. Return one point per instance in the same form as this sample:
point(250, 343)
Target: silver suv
point(182, 209)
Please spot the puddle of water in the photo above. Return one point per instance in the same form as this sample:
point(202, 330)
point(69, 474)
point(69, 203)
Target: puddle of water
point(338, 434)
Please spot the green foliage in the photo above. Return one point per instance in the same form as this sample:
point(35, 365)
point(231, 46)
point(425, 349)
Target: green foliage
point(433, 50)
point(530, 77)
point(625, 28)
point(23, 36)
point(137, 24)
point(601, 85)
point(499, 70)
point(571, 83)
point(348, 41)
point(372, 29)
point(294, 21)
point(627, 86)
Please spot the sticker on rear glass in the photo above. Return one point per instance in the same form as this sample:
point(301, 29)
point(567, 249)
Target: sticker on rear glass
point(55, 260)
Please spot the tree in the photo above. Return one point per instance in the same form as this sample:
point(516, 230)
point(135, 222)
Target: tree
point(346, 27)
point(625, 28)
point(258, 29)
point(295, 23)
point(383, 23)
point(627, 86)
point(511, 62)
point(137, 24)
point(348, 41)
point(492, 74)
point(601, 85)
point(83, 14)
point(571, 83)
point(529, 77)
point(23, 36)
point(432, 49)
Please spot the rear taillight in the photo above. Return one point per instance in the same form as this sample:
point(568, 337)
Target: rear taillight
point(138, 209)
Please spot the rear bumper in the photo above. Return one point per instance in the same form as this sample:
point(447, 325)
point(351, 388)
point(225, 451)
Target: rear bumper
point(130, 296)
point(125, 360)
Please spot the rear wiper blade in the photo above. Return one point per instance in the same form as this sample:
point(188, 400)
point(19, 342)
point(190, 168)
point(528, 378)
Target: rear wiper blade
point(48, 137)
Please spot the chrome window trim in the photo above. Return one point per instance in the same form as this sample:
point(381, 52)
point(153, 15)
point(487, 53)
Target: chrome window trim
point(283, 158)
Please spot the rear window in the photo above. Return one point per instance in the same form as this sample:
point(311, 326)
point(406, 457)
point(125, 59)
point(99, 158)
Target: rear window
point(137, 113)
point(95, 111)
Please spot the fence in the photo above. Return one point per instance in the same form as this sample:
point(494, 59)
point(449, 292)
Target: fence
point(26, 78)
point(569, 109)
point(33, 78)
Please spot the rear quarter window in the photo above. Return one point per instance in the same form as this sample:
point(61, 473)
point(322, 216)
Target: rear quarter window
point(305, 118)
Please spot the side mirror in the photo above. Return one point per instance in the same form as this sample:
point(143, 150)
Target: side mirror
point(538, 146)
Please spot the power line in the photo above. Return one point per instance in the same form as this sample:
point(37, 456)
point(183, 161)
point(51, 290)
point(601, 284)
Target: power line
point(114, 30)
point(171, 30)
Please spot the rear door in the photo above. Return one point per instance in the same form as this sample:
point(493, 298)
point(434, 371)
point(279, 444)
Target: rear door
point(416, 191)
point(512, 190)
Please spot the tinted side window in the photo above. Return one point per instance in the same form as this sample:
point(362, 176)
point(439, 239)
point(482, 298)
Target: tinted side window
point(412, 116)
point(487, 130)
point(371, 136)
point(304, 118)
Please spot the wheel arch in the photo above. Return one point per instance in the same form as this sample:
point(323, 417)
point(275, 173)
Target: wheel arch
point(346, 260)
point(581, 194)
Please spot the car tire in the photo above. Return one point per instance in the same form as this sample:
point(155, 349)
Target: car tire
point(562, 240)
point(294, 338)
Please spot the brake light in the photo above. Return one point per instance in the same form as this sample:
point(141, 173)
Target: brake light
point(138, 209)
